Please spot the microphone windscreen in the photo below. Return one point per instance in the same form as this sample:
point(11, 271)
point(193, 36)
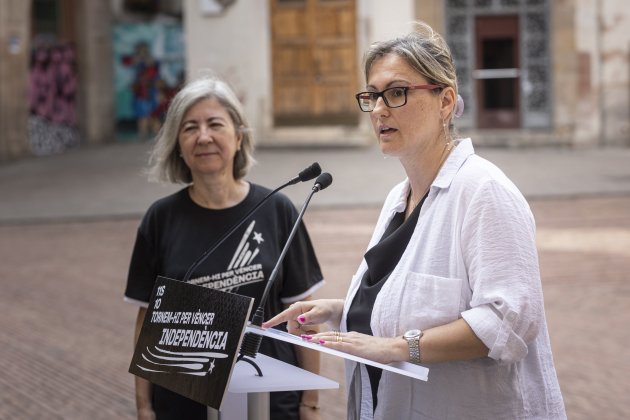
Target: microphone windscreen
point(324, 180)
point(310, 172)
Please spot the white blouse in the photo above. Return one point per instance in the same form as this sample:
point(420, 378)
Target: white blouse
point(473, 256)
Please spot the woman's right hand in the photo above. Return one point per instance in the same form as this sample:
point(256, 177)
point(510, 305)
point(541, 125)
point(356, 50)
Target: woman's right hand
point(300, 315)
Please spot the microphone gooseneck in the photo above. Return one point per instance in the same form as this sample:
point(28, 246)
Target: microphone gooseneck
point(307, 174)
point(251, 342)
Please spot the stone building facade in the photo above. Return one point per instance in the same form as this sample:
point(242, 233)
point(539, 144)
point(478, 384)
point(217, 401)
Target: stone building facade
point(567, 83)
point(573, 73)
point(532, 72)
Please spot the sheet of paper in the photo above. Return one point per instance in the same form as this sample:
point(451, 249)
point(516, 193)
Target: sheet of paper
point(402, 368)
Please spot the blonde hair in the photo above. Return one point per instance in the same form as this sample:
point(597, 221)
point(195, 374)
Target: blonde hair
point(165, 163)
point(424, 50)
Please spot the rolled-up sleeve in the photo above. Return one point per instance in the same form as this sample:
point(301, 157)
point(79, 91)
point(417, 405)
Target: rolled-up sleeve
point(499, 250)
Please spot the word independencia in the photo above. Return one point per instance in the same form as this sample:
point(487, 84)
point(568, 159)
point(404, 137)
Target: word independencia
point(216, 340)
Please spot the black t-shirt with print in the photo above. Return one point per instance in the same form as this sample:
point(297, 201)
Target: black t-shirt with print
point(176, 231)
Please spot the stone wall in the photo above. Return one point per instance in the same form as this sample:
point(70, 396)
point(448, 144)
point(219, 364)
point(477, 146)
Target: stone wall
point(614, 35)
point(14, 59)
point(94, 53)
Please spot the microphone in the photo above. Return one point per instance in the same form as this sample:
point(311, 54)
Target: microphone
point(251, 342)
point(323, 181)
point(306, 175)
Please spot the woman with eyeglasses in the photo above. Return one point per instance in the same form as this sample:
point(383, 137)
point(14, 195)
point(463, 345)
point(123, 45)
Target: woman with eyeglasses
point(451, 278)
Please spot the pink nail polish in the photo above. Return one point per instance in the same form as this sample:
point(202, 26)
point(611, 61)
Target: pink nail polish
point(322, 342)
point(306, 337)
point(301, 318)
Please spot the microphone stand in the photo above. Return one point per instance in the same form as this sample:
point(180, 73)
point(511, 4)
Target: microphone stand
point(251, 342)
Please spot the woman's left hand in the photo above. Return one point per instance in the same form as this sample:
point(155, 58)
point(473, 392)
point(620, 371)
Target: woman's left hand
point(378, 349)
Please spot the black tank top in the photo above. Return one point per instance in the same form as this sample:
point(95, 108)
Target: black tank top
point(381, 260)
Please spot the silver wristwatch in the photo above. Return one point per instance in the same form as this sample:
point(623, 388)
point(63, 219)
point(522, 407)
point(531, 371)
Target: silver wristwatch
point(413, 340)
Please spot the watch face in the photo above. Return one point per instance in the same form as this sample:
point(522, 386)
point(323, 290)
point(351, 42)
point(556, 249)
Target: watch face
point(412, 333)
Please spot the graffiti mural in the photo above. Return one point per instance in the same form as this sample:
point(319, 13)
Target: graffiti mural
point(52, 125)
point(148, 70)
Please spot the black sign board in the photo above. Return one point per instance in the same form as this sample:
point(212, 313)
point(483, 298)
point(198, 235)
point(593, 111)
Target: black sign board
point(190, 339)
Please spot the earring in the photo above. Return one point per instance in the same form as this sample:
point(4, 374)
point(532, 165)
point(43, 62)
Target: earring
point(447, 138)
point(459, 108)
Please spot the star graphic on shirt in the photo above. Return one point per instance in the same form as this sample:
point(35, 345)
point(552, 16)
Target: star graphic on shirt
point(258, 237)
point(211, 366)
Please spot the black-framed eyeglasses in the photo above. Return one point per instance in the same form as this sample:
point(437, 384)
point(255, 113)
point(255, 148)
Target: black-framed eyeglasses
point(393, 97)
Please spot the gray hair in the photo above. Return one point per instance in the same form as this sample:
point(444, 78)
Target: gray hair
point(424, 50)
point(165, 163)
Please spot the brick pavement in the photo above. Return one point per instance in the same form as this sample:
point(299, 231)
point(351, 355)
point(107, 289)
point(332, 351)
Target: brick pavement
point(65, 334)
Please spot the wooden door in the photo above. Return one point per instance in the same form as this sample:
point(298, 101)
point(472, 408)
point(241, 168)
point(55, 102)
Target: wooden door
point(497, 72)
point(314, 62)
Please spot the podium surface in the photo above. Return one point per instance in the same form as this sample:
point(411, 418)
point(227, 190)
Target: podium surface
point(402, 368)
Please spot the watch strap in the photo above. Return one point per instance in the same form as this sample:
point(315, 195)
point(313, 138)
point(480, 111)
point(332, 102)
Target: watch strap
point(414, 347)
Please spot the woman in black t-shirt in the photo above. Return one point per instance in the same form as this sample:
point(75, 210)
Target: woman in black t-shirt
point(205, 143)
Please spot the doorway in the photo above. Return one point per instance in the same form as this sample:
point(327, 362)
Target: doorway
point(314, 62)
point(497, 71)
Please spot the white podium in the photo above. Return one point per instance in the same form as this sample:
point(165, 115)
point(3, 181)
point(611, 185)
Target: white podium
point(247, 395)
